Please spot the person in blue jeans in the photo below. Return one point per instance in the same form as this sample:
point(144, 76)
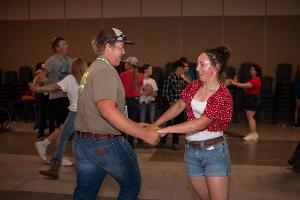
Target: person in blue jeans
point(98, 146)
point(147, 98)
point(70, 85)
point(209, 110)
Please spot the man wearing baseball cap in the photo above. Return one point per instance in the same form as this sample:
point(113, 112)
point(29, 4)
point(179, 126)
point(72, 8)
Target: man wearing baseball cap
point(98, 147)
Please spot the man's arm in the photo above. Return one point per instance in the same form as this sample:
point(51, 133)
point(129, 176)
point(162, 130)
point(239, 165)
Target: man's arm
point(112, 115)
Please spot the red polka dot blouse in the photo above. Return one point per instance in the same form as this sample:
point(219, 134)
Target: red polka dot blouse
point(219, 106)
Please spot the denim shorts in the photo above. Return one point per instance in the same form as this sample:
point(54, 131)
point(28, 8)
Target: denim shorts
point(213, 161)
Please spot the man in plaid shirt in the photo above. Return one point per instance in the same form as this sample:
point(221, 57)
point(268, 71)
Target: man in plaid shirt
point(173, 86)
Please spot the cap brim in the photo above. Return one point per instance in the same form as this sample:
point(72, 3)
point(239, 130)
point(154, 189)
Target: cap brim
point(128, 42)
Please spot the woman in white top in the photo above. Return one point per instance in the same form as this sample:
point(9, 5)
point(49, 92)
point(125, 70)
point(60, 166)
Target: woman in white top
point(70, 85)
point(209, 110)
point(148, 94)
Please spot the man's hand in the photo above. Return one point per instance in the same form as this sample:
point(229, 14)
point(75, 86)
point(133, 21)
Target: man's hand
point(151, 137)
point(143, 125)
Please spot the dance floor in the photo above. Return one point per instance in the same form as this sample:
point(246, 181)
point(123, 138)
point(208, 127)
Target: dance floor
point(259, 170)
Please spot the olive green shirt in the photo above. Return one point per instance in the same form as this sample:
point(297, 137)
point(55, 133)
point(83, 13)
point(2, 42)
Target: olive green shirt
point(100, 82)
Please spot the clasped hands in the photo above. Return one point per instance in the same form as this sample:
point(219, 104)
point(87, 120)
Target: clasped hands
point(153, 133)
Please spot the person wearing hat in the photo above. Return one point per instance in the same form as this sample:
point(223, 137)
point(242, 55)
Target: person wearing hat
point(173, 86)
point(133, 83)
point(98, 147)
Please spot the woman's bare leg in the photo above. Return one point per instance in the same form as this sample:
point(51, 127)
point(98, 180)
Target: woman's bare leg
point(218, 187)
point(251, 121)
point(200, 186)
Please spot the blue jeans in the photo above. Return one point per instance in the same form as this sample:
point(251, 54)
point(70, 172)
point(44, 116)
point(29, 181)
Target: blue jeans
point(65, 134)
point(95, 158)
point(145, 109)
point(133, 114)
point(213, 161)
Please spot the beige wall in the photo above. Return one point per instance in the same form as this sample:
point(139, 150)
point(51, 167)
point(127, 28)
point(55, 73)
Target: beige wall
point(266, 32)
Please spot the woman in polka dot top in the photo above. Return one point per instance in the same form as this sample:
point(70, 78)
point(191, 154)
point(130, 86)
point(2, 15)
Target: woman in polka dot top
point(209, 110)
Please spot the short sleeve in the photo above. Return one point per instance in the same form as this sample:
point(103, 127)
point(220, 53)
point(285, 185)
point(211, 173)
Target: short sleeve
point(186, 93)
point(65, 83)
point(154, 85)
point(105, 85)
point(49, 65)
point(219, 107)
point(254, 82)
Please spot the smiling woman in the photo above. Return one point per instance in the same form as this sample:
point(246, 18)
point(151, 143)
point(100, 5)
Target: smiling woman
point(209, 110)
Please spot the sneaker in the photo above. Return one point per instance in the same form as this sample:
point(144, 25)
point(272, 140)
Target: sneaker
point(41, 149)
point(251, 137)
point(66, 162)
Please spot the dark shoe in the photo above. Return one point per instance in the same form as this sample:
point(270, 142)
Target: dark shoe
point(175, 147)
point(296, 169)
point(53, 172)
point(161, 145)
point(291, 161)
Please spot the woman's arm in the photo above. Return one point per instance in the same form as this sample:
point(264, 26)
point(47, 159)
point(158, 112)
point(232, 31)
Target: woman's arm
point(192, 126)
point(154, 94)
point(46, 88)
point(41, 76)
point(241, 85)
point(171, 113)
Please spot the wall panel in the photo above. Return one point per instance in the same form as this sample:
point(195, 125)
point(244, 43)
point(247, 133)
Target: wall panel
point(200, 33)
point(15, 45)
point(202, 7)
point(79, 34)
point(41, 34)
point(121, 8)
point(161, 42)
point(159, 8)
point(13, 9)
point(286, 7)
point(244, 7)
point(79, 9)
point(245, 37)
point(46, 9)
point(282, 42)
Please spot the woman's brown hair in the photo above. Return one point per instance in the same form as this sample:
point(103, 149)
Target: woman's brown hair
point(136, 82)
point(79, 66)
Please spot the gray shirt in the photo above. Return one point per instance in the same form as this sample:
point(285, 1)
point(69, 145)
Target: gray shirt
point(100, 82)
point(58, 68)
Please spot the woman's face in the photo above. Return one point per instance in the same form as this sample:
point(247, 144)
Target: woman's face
point(149, 71)
point(252, 72)
point(204, 68)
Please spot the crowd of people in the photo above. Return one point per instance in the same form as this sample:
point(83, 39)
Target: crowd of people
point(107, 113)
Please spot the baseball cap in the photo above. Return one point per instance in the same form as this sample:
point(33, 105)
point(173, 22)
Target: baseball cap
point(110, 35)
point(131, 60)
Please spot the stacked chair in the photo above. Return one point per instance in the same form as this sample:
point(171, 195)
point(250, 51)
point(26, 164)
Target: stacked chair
point(284, 94)
point(265, 113)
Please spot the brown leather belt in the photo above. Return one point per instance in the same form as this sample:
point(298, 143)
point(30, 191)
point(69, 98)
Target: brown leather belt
point(207, 143)
point(100, 136)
